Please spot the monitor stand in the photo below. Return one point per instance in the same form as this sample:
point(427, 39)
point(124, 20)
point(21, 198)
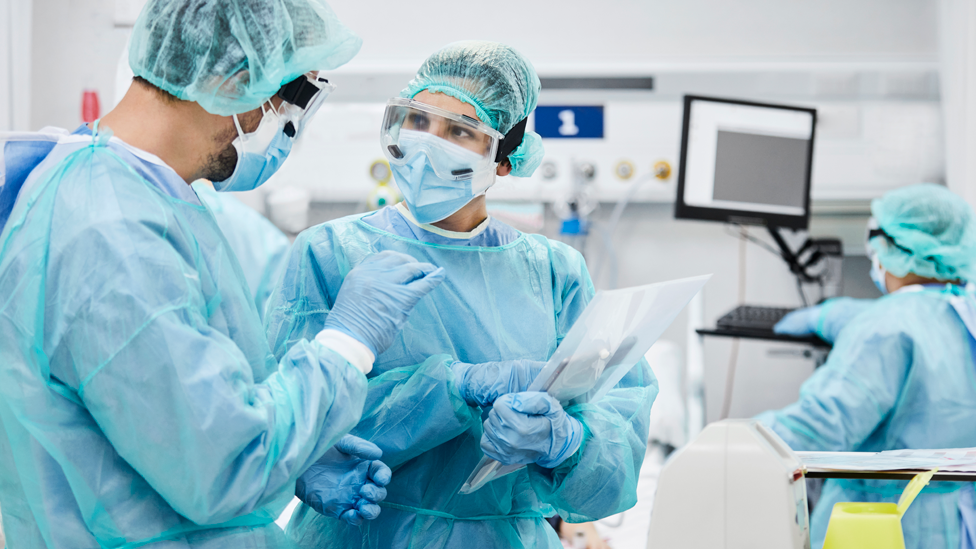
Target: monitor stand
point(817, 248)
point(751, 322)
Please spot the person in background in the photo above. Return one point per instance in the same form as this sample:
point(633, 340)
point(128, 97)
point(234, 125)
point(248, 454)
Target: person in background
point(472, 347)
point(902, 372)
point(260, 247)
point(140, 403)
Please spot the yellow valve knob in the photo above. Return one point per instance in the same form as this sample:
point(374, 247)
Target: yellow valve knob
point(662, 170)
point(380, 171)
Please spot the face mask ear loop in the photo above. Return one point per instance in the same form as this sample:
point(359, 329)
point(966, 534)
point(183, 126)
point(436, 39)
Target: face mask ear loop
point(240, 134)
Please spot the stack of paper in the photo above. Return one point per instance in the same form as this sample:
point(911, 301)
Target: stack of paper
point(954, 459)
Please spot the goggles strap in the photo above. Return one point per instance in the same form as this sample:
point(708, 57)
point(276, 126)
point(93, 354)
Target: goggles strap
point(511, 141)
point(880, 232)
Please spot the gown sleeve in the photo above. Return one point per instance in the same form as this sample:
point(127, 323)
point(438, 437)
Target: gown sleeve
point(303, 297)
point(600, 479)
point(847, 398)
point(176, 397)
point(414, 409)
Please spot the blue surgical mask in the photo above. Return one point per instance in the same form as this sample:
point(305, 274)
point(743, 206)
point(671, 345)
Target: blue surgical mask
point(259, 154)
point(430, 197)
point(878, 275)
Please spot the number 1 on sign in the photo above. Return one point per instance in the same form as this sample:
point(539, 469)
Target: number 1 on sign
point(569, 127)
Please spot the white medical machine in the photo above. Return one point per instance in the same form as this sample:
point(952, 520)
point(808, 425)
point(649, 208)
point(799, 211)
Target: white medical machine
point(736, 486)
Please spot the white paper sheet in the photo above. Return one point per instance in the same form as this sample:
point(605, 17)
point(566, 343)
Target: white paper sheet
point(954, 459)
point(608, 339)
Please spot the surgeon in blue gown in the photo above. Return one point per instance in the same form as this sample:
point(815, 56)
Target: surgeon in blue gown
point(140, 403)
point(477, 340)
point(902, 372)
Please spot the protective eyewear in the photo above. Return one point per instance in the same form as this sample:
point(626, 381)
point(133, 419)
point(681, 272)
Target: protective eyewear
point(472, 147)
point(463, 149)
point(873, 231)
point(301, 99)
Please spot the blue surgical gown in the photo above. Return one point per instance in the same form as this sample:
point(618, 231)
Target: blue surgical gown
point(260, 247)
point(514, 296)
point(140, 402)
point(901, 375)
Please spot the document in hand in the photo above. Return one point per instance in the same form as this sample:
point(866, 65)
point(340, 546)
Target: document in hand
point(611, 336)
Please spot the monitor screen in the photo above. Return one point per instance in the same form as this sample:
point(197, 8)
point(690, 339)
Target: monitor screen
point(744, 162)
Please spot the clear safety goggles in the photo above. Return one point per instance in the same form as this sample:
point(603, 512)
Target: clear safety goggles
point(458, 146)
point(301, 99)
point(874, 230)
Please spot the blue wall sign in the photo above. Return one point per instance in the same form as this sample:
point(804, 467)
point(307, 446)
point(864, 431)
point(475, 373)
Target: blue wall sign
point(568, 122)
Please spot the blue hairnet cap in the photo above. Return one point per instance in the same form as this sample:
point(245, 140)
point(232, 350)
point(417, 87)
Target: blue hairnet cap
point(230, 56)
point(933, 232)
point(497, 81)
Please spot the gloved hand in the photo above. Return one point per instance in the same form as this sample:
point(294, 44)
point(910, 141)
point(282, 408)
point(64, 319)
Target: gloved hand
point(799, 322)
point(530, 428)
point(825, 320)
point(481, 384)
point(377, 296)
point(347, 482)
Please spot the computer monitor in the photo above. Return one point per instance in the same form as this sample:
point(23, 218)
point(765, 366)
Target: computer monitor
point(745, 163)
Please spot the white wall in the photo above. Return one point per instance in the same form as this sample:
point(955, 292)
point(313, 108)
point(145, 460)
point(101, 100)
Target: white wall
point(75, 46)
point(15, 64)
point(76, 40)
point(958, 43)
point(646, 31)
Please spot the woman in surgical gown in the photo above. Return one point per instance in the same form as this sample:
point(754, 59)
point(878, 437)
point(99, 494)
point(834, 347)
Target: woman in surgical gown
point(507, 295)
point(902, 372)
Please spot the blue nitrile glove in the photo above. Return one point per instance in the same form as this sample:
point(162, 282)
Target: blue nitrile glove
point(530, 428)
point(825, 320)
point(377, 296)
point(481, 384)
point(347, 482)
point(800, 322)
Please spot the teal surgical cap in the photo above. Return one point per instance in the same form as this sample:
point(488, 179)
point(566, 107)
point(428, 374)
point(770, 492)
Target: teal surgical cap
point(230, 56)
point(497, 81)
point(931, 233)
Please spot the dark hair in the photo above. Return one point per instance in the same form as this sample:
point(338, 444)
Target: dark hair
point(163, 94)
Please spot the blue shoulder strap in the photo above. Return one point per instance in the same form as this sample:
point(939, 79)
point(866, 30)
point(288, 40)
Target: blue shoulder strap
point(20, 153)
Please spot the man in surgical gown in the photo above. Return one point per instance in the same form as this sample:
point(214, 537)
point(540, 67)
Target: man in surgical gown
point(902, 372)
point(507, 296)
point(140, 404)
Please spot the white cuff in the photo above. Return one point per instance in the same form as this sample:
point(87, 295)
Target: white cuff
point(351, 349)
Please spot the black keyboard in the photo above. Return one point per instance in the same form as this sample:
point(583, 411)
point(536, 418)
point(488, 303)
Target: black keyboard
point(747, 317)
